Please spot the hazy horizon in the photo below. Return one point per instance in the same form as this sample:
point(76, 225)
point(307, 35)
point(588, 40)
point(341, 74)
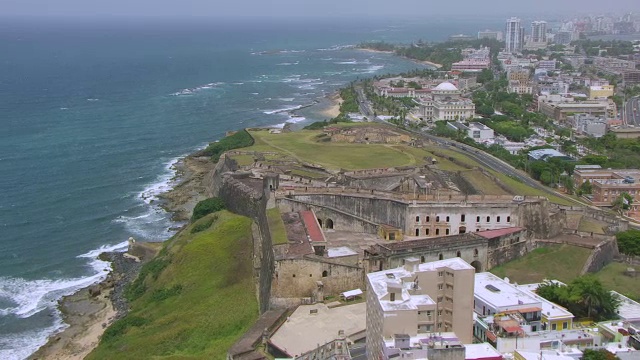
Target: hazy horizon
point(295, 8)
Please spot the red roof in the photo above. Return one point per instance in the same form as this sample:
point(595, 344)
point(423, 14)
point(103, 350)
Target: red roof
point(490, 234)
point(313, 230)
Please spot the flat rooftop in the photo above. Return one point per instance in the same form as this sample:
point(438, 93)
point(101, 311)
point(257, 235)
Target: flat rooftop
point(480, 351)
point(340, 252)
point(502, 295)
point(490, 234)
point(303, 331)
point(549, 309)
point(629, 310)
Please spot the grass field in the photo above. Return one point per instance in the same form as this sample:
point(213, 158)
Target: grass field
point(483, 183)
point(276, 227)
point(189, 290)
point(612, 277)
point(561, 262)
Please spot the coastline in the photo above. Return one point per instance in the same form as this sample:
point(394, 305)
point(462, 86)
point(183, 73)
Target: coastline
point(436, 66)
point(334, 108)
point(89, 311)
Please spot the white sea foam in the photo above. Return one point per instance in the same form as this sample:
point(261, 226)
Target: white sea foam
point(337, 48)
point(18, 346)
point(283, 110)
point(286, 99)
point(64, 108)
point(348, 62)
point(192, 91)
point(288, 63)
point(372, 69)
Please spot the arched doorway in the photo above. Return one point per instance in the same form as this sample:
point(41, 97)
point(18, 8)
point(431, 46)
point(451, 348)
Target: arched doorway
point(440, 257)
point(462, 229)
point(477, 265)
point(329, 224)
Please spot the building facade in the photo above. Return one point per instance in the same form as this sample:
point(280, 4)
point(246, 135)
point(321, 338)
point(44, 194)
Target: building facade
point(419, 299)
point(539, 32)
point(446, 103)
point(514, 35)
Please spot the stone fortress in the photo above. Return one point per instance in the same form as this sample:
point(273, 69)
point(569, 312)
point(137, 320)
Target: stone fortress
point(342, 225)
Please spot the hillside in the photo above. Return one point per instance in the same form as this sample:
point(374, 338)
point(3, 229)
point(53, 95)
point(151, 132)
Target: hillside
point(194, 300)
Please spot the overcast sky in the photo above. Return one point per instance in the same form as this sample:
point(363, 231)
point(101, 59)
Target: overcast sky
point(316, 8)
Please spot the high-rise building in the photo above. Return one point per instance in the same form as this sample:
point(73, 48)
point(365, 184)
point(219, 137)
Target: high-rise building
point(539, 31)
point(514, 35)
point(419, 299)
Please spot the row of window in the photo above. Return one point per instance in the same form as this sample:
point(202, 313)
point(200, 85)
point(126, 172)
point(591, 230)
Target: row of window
point(463, 218)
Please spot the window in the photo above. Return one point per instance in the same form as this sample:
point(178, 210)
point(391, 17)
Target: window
point(417, 232)
point(488, 218)
point(392, 296)
point(554, 327)
point(325, 273)
point(475, 252)
point(437, 231)
point(498, 219)
point(426, 232)
point(294, 275)
point(440, 286)
point(508, 219)
point(437, 218)
point(462, 217)
point(565, 325)
point(446, 232)
point(422, 259)
point(428, 218)
point(417, 218)
point(439, 312)
point(477, 218)
point(440, 257)
point(447, 219)
point(458, 254)
point(440, 273)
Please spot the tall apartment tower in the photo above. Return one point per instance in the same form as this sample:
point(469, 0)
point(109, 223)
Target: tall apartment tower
point(419, 300)
point(514, 35)
point(539, 32)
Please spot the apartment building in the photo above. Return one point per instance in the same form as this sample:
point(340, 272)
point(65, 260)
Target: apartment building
point(419, 299)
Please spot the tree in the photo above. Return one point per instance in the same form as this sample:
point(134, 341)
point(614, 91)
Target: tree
point(629, 242)
point(600, 354)
point(584, 296)
point(485, 76)
point(485, 110)
point(622, 202)
point(206, 207)
point(586, 187)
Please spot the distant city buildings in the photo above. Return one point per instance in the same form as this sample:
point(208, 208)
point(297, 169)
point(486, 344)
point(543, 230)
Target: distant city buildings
point(474, 60)
point(539, 32)
point(514, 35)
point(478, 132)
point(608, 184)
point(490, 34)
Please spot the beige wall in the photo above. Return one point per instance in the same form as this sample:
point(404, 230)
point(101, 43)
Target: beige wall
point(339, 278)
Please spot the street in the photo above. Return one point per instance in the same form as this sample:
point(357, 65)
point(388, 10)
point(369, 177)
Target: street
point(632, 112)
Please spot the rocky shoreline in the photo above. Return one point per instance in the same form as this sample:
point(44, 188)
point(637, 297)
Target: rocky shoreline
point(90, 310)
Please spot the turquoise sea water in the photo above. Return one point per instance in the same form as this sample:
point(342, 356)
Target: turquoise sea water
point(93, 114)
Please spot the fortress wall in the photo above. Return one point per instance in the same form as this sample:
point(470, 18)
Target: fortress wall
point(615, 224)
point(378, 211)
point(602, 255)
point(244, 200)
point(341, 220)
point(539, 218)
point(298, 278)
point(508, 248)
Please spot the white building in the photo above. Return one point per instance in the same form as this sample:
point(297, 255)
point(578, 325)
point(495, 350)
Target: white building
point(539, 32)
point(480, 133)
point(514, 35)
point(588, 124)
point(418, 298)
point(446, 103)
point(490, 34)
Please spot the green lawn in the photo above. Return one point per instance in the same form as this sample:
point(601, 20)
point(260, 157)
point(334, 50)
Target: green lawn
point(612, 277)
point(197, 298)
point(276, 227)
point(482, 183)
point(561, 262)
point(302, 146)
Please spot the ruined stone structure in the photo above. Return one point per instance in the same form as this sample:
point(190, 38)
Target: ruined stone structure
point(368, 135)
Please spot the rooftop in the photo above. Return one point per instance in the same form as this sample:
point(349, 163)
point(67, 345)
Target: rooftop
point(446, 86)
point(629, 310)
point(480, 351)
point(490, 234)
point(549, 309)
point(311, 224)
point(304, 330)
point(340, 252)
point(502, 295)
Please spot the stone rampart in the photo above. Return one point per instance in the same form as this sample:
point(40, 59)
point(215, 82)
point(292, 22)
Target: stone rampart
point(603, 254)
point(247, 201)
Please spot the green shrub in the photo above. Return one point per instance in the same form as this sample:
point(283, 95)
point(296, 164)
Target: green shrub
point(119, 327)
point(162, 294)
point(203, 225)
point(238, 140)
point(206, 207)
point(138, 287)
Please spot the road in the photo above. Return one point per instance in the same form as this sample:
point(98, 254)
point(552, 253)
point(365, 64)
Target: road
point(632, 112)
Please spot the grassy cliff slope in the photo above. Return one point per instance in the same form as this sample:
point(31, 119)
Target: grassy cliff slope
point(194, 300)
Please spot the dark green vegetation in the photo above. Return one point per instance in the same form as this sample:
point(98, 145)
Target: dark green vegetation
point(276, 227)
point(191, 302)
point(206, 207)
point(583, 297)
point(600, 354)
point(445, 53)
point(629, 242)
point(610, 47)
point(238, 140)
point(615, 153)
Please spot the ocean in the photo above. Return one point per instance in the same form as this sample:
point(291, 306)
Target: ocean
point(93, 114)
